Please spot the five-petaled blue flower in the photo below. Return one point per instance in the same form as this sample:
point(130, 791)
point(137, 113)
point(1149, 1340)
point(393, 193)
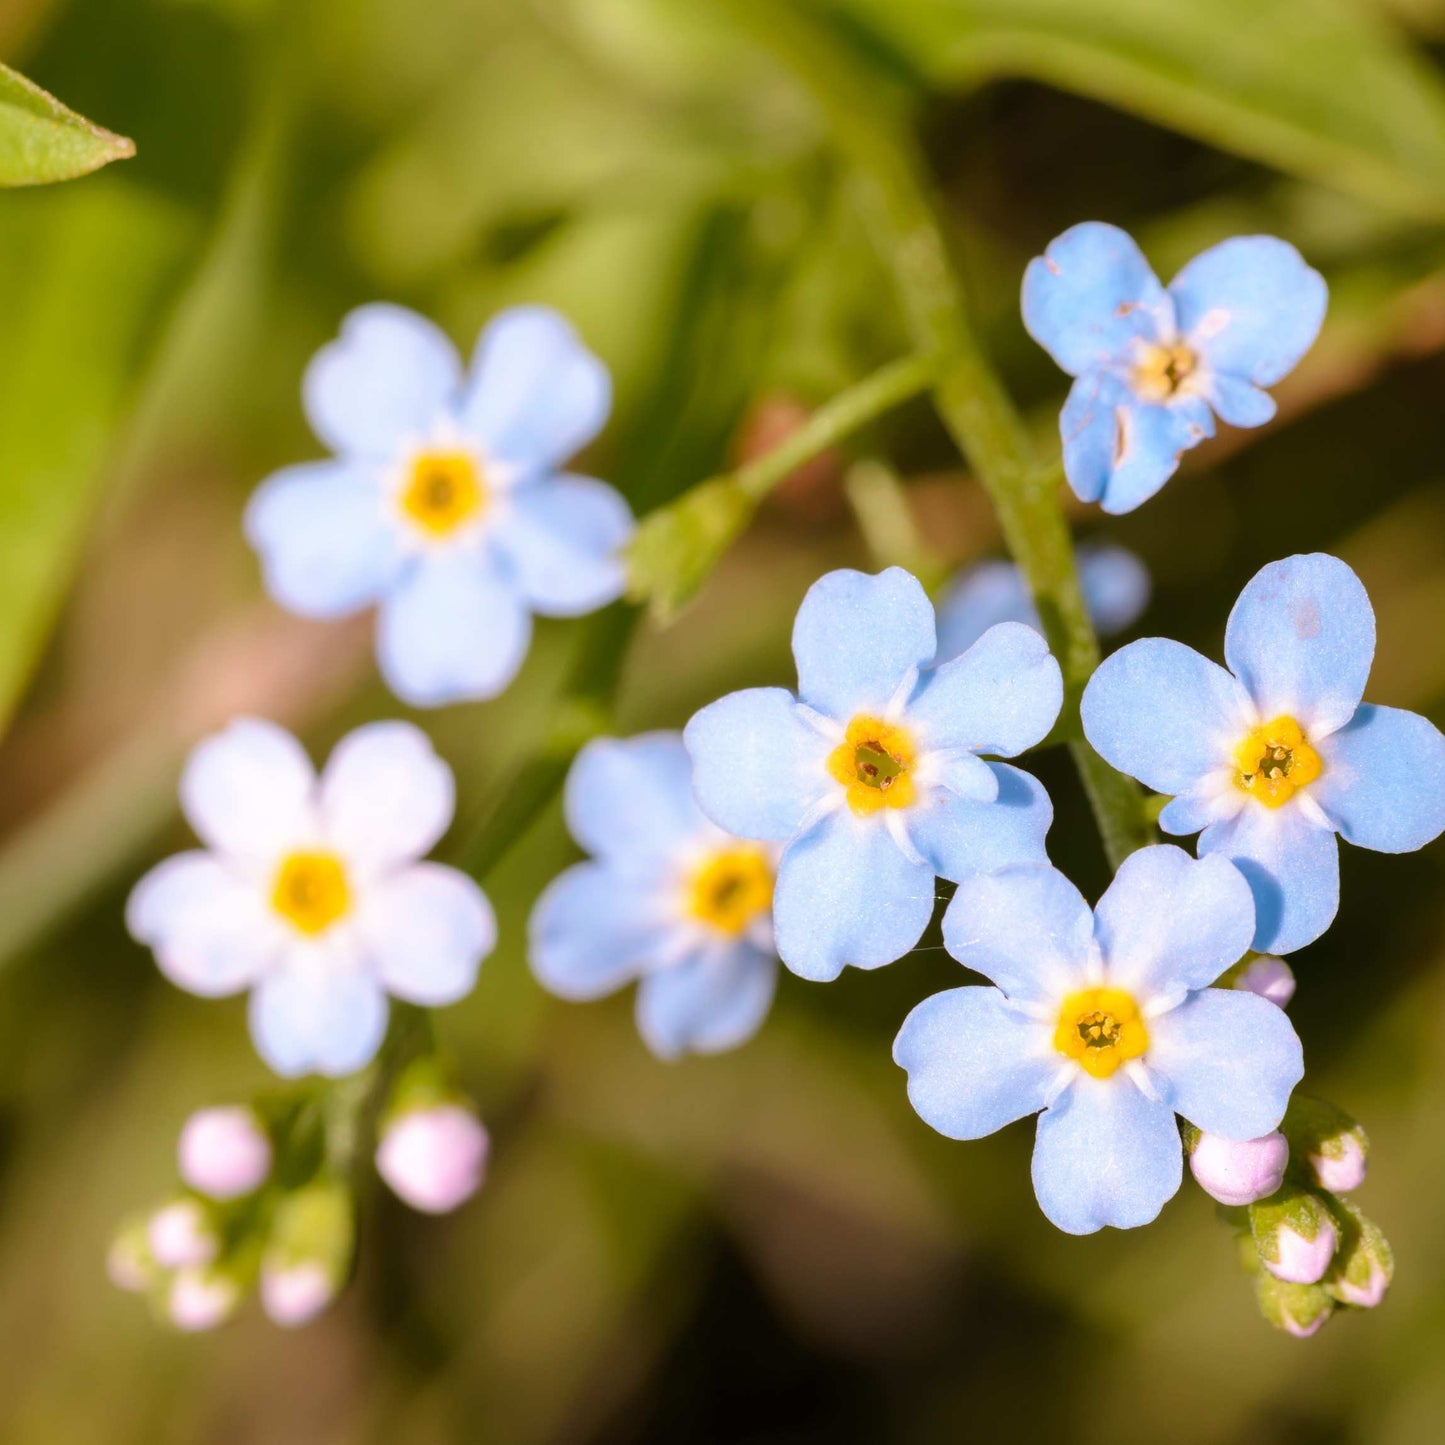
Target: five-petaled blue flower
point(871, 776)
point(668, 899)
point(1274, 757)
point(311, 894)
point(1105, 1021)
point(1115, 584)
point(1153, 366)
point(444, 504)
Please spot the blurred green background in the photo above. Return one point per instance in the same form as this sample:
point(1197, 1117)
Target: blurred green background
point(767, 1246)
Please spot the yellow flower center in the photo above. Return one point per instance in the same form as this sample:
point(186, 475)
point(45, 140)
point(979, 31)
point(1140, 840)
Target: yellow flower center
point(1100, 1028)
point(1161, 370)
point(730, 889)
point(443, 490)
point(311, 891)
point(873, 762)
point(1274, 761)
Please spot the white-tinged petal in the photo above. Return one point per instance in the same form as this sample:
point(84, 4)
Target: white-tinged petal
point(318, 1013)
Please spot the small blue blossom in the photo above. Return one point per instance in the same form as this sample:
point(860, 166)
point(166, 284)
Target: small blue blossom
point(310, 893)
point(1106, 1023)
point(444, 504)
point(871, 776)
point(1155, 366)
point(1276, 756)
point(668, 899)
point(1115, 584)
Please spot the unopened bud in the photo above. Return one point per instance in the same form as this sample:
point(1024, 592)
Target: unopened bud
point(295, 1294)
point(1365, 1265)
point(1300, 1310)
point(309, 1253)
point(1270, 978)
point(1239, 1171)
point(224, 1153)
point(200, 1299)
point(181, 1236)
point(434, 1159)
point(1331, 1140)
point(1295, 1236)
point(129, 1262)
point(1339, 1164)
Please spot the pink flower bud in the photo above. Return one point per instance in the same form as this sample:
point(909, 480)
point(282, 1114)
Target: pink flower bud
point(1301, 1260)
point(1302, 1328)
point(128, 1263)
point(434, 1158)
point(180, 1235)
point(1343, 1168)
point(295, 1294)
point(1270, 978)
point(1239, 1171)
point(1363, 1296)
point(224, 1153)
point(200, 1300)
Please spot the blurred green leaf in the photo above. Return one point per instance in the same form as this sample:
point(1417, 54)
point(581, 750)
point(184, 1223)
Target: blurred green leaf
point(677, 546)
point(80, 272)
point(1327, 89)
point(40, 140)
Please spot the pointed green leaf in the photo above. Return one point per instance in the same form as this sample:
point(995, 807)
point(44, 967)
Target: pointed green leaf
point(41, 140)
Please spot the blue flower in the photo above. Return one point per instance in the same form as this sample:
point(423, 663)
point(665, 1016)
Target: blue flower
point(444, 504)
point(871, 776)
point(309, 892)
point(1155, 366)
point(1105, 1021)
point(1114, 581)
point(668, 899)
point(1274, 757)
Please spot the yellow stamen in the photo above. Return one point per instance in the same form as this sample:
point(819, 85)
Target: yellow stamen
point(1161, 370)
point(311, 891)
point(1275, 761)
point(730, 889)
point(1100, 1028)
point(873, 762)
point(443, 490)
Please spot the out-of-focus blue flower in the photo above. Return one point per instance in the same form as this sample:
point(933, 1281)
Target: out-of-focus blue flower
point(667, 899)
point(1155, 366)
point(871, 776)
point(1115, 584)
point(445, 503)
point(1105, 1021)
point(1274, 757)
point(310, 893)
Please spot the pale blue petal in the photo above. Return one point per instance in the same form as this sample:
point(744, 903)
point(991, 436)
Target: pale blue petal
point(1151, 439)
point(1115, 584)
point(427, 929)
point(1250, 307)
point(966, 775)
point(1160, 712)
point(630, 799)
point(857, 638)
point(592, 930)
point(960, 836)
point(977, 599)
point(1027, 929)
point(325, 547)
point(1301, 639)
point(1106, 1154)
point(1240, 403)
point(1169, 923)
point(386, 380)
point(563, 539)
point(1001, 696)
point(1191, 811)
point(1227, 1060)
point(1293, 868)
point(1383, 784)
point(708, 1003)
point(316, 1019)
point(1090, 295)
point(1089, 432)
point(847, 895)
point(537, 396)
point(452, 631)
point(974, 1064)
point(758, 767)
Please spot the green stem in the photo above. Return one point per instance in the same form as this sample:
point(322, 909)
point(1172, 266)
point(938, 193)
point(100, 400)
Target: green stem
point(869, 123)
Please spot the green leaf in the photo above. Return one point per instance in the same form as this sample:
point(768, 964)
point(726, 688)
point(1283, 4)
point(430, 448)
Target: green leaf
point(1327, 90)
point(80, 276)
point(40, 140)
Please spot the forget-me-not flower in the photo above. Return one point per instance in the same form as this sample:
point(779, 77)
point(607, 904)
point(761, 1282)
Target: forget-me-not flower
point(1153, 367)
point(1115, 584)
point(445, 504)
point(871, 776)
point(310, 893)
point(1274, 757)
point(1105, 1021)
point(668, 899)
